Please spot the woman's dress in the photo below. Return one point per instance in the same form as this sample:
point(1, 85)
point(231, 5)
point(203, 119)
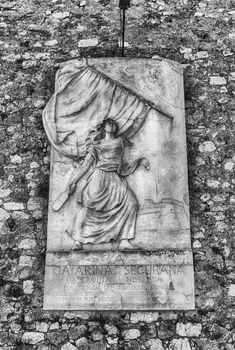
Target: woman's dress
point(109, 205)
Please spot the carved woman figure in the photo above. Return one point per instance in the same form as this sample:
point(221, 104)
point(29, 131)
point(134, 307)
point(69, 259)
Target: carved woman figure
point(109, 205)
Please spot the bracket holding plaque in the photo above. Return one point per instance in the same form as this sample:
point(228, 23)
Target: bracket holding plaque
point(118, 221)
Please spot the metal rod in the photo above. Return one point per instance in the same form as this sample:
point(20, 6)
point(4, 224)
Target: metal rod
point(123, 31)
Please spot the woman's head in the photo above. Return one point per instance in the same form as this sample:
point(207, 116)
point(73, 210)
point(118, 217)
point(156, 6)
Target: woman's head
point(110, 126)
point(107, 126)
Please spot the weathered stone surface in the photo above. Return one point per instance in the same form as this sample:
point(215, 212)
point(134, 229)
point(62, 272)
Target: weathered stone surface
point(26, 260)
point(201, 55)
point(77, 332)
point(208, 345)
point(231, 291)
point(4, 215)
point(207, 146)
point(35, 165)
point(33, 204)
point(42, 327)
point(43, 347)
point(196, 244)
point(111, 330)
point(60, 15)
point(25, 27)
point(112, 341)
point(96, 336)
point(229, 166)
point(32, 337)
point(179, 344)
point(57, 338)
point(131, 334)
point(171, 268)
point(13, 206)
point(162, 214)
point(216, 80)
point(4, 193)
point(28, 287)
point(188, 329)
point(15, 327)
point(82, 343)
point(154, 344)
point(68, 346)
point(88, 42)
point(148, 225)
point(166, 332)
point(54, 326)
point(20, 215)
point(52, 42)
point(16, 159)
point(99, 345)
point(147, 317)
point(79, 314)
point(27, 244)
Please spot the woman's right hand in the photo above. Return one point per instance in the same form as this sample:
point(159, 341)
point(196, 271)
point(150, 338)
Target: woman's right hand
point(72, 188)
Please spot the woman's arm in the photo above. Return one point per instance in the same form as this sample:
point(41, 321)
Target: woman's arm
point(80, 171)
point(76, 175)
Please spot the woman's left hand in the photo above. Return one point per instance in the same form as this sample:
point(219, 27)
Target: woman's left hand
point(145, 162)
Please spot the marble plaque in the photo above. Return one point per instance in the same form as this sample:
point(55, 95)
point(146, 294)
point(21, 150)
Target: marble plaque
point(118, 221)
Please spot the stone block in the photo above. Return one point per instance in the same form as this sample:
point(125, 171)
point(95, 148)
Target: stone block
point(231, 291)
point(131, 334)
point(88, 42)
point(179, 344)
point(207, 146)
point(42, 327)
point(4, 215)
point(28, 286)
point(217, 80)
point(13, 206)
point(188, 329)
point(4, 193)
point(68, 346)
point(32, 337)
point(147, 317)
point(154, 344)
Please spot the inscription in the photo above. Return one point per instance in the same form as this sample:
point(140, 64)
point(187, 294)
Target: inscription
point(113, 270)
point(118, 284)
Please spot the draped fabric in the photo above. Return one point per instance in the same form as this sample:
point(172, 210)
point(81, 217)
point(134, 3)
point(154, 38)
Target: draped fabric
point(109, 205)
point(108, 157)
point(83, 99)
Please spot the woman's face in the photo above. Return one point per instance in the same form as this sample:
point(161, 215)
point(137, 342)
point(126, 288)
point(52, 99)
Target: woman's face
point(110, 127)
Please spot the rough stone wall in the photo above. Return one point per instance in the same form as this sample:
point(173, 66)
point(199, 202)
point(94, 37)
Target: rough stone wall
point(35, 36)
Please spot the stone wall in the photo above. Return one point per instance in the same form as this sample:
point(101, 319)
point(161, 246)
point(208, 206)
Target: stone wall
point(36, 36)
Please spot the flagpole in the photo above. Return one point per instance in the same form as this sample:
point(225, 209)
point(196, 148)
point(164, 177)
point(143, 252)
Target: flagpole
point(123, 31)
point(124, 5)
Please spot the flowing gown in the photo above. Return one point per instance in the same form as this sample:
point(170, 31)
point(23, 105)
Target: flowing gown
point(109, 205)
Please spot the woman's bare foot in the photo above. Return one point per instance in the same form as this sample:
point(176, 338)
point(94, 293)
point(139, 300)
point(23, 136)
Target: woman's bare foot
point(77, 245)
point(125, 245)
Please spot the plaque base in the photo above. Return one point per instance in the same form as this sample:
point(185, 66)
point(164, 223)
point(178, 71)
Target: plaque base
point(119, 281)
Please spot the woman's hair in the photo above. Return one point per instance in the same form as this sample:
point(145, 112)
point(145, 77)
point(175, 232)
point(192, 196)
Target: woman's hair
point(97, 134)
point(100, 129)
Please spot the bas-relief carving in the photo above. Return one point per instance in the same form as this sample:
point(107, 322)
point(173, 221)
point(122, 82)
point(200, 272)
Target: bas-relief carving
point(107, 207)
point(118, 178)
